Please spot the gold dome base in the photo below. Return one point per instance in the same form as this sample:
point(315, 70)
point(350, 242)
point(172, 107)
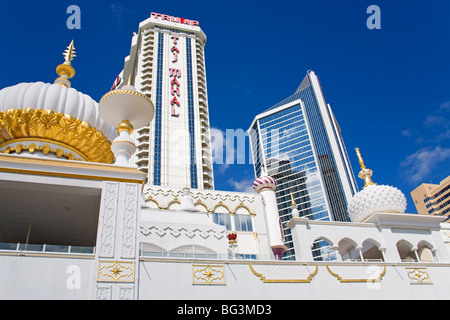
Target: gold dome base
point(56, 128)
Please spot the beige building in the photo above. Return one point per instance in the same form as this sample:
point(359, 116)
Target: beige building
point(433, 198)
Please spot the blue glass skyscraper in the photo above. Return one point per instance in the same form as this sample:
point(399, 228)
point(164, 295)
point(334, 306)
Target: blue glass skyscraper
point(299, 143)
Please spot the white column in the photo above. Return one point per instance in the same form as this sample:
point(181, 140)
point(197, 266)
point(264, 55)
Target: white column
point(273, 222)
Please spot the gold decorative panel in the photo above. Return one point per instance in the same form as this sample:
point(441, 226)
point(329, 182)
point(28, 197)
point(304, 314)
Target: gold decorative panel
point(116, 271)
point(418, 275)
point(206, 274)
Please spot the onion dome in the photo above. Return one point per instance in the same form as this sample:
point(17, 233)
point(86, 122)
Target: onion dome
point(54, 120)
point(264, 182)
point(374, 198)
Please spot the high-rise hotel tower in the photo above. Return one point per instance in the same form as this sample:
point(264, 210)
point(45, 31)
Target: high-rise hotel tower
point(167, 63)
point(298, 142)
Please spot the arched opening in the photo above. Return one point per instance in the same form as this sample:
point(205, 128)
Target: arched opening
point(221, 216)
point(405, 251)
point(347, 250)
point(371, 251)
point(322, 250)
point(151, 250)
point(425, 252)
point(192, 251)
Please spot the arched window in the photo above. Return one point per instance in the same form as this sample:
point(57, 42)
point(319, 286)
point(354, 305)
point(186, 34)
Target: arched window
point(405, 251)
point(152, 250)
point(371, 251)
point(192, 251)
point(347, 250)
point(425, 252)
point(322, 250)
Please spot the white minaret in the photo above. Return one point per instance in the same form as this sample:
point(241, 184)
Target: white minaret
point(266, 186)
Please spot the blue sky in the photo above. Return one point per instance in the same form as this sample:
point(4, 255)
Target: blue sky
point(389, 88)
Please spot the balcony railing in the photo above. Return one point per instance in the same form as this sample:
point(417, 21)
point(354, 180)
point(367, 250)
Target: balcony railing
point(49, 248)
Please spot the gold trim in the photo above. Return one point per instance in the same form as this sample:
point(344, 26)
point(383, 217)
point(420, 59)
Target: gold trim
point(199, 202)
point(166, 207)
point(69, 175)
point(111, 93)
point(55, 127)
point(356, 280)
point(265, 280)
point(44, 148)
point(65, 70)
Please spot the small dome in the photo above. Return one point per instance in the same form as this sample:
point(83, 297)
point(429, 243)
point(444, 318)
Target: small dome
point(376, 198)
point(264, 182)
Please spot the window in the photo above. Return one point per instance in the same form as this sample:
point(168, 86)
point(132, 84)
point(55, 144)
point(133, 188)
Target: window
point(222, 219)
point(243, 222)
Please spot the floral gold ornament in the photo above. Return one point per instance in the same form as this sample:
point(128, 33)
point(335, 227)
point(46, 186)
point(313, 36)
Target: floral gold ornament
point(54, 128)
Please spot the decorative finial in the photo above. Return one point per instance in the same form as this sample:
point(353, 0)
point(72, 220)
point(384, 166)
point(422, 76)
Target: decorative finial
point(365, 174)
point(65, 70)
point(292, 200)
point(69, 54)
point(360, 159)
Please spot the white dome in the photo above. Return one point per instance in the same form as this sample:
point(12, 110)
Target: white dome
point(46, 96)
point(375, 198)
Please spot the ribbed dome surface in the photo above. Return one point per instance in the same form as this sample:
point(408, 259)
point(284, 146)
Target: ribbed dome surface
point(264, 182)
point(376, 198)
point(45, 96)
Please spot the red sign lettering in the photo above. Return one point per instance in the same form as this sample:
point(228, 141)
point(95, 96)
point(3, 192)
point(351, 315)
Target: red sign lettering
point(166, 17)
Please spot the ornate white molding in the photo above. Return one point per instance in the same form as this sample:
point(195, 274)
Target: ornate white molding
point(109, 220)
point(163, 230)
point(130, 222)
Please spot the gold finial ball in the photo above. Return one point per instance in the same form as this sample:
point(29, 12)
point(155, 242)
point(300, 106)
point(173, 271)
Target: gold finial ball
point(125, 125)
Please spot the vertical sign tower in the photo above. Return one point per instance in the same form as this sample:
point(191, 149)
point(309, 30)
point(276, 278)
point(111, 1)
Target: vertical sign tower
point(167, 63)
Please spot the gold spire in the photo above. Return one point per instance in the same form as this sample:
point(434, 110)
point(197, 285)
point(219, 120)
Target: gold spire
point(69, 54)
point(360, 159)
point(65, 70)
point(365, 174)
point(292, 200)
